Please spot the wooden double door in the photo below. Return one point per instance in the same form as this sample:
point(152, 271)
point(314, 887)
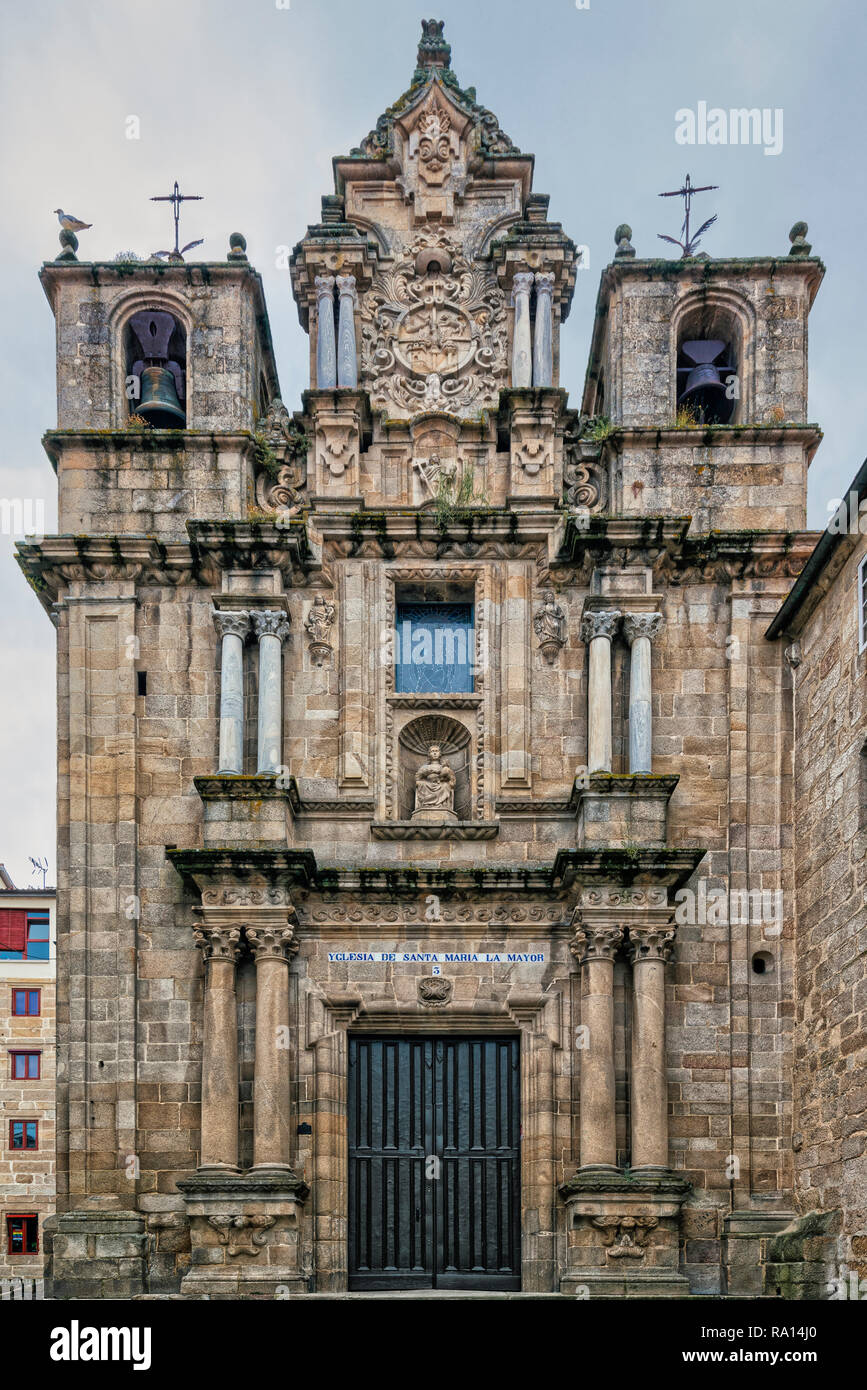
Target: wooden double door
point(434, 1163)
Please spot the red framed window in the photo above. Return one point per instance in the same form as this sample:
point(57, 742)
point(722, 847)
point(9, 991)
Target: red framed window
point(24, 1134)
point(22, 1234)
point(26, 1002)
point(26, 1066)
point(24, 935)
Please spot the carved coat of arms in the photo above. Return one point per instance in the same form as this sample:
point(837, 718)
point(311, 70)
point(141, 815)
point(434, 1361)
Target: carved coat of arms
point(434, 333)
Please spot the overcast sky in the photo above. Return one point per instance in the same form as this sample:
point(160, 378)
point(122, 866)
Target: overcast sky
point(246, 103)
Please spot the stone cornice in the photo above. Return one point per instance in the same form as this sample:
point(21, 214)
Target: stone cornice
point(628, 784)
point(676, 557)
point(264, 870)
point(53, 563)
point(669, 868)
point(150, 441)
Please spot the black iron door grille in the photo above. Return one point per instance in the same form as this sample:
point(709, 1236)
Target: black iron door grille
point(434, 1163)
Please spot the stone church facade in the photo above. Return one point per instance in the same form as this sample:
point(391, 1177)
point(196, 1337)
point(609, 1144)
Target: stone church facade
point(426, 875)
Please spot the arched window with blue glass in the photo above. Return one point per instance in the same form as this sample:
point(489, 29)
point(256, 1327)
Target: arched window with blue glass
point(434, 648)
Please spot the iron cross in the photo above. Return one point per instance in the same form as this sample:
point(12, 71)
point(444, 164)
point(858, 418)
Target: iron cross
point(689, 243)
point(176, 198)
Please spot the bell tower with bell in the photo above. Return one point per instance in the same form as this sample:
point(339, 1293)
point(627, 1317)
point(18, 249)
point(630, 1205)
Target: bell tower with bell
point(158, 362)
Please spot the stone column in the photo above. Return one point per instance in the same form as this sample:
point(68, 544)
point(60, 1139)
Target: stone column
point(522, 350)
point(233, 628)
point(347, 356)
point(650, 948)
point(221, 949)
point(543, 340)
point(638, 629)
point(271, 627)
point(326, 351)
point(598, 629)
point(271, 946)
point(595, 947)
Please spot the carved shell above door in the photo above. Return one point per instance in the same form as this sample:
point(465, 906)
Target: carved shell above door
point(434, 333)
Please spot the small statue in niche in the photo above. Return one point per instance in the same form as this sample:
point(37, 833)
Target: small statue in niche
point(434, 789)
point(549, 625)
point(318, 624)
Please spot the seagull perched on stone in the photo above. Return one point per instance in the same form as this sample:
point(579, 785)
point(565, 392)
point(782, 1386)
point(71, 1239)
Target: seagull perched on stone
point(70, 223)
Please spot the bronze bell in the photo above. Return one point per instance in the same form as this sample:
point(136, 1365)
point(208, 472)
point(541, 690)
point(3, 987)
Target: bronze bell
point(704, 382)
point(159, 403)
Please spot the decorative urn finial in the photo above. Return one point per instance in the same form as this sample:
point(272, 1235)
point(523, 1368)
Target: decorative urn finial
point(433, 51)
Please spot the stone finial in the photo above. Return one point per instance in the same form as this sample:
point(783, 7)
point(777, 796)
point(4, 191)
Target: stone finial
point(798, 237)
point(237, 247)
point(69, 243)
point(623, 237)
point(433, 51)
point(333, 209)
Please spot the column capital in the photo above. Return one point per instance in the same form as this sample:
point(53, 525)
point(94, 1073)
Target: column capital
point(271, 943)
point(346, 287)
point(544, 280)
point(218, 942)
point(523, 282)
point(324, 286)
point(651, 943)
point(641, 625)
point(595, 940)
point(270, 622)
point(231, 622)
point(600, 622)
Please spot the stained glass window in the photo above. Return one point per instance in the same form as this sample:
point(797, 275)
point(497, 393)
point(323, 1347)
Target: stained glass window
point(434, 648)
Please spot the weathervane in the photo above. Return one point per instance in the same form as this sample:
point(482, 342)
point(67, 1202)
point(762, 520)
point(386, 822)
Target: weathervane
point(40, 866)
point(689, 243)
point(176, 198)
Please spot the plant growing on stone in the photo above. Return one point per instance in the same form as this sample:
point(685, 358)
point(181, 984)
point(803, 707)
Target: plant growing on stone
point(455, 497)
point(600, 430)
point(685, 418)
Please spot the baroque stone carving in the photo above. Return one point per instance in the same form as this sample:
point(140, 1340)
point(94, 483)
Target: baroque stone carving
point(434, 990)
point(641, 625)
point(549, 625)
point(231, 624)
point(273, 943)
point(318, 624)
point(601, 622)
point(270, 622)
point(218, 943)
point(596, 942)
point(625, 1237)
point(651, 943)
point(434, 788)
point(250, 1228)
point(434, 339)
point(278, 488)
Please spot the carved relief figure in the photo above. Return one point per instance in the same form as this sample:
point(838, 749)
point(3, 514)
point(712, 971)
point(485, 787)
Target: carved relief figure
point(549, 625)
point(318, 625)
point(434, 788)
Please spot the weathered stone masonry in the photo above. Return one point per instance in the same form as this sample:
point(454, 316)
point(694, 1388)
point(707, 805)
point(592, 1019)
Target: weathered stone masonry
point(251, 815)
